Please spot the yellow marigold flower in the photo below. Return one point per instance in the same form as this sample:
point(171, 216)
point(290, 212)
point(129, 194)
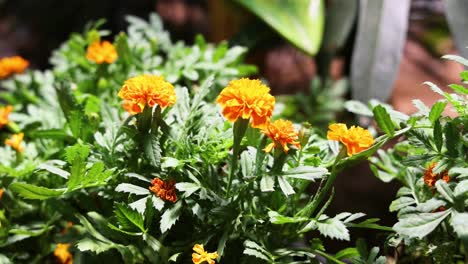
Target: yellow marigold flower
point(281, 132)
point(143, 90)
point(164, 189)
point(15, 142)
point(101, 52)
point(356, 139)
point(4, 113)
point(62, 254)
point(247, 98)
point(201, 255)
point(11, 65)
point(430, 177)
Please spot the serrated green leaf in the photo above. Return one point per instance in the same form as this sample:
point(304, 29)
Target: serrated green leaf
point(383, 120)
point(130, 188)
point(443, 188)
point(285, 186)
point(438, 135)
point(254, 249)
point(306, 172)
point(452, 139)
point(129, 218)
point(33, 192)
point(436, 111)
point(188, 187)
point(461, 188)
point(267, 183)
point(139, 205)
point(420, 225)
point(152, 149)
point(357, 107)
point(278, 219)
point(170, 216)
point(333, 228)
point(401, 202)
point(459, 222)
point(459, 88)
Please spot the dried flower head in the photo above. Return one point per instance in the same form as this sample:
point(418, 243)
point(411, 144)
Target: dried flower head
point(15, 142)
point(356, 139)
point(101, 52)
point(146, 90)
point(62, 254)
point(430, 178)
point(164, 189)
point(201, 255)
point(4, 115)
point(245, 98)
point(11, 65)
point(282, 132)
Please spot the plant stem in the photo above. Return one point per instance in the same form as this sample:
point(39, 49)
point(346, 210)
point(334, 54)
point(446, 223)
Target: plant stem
point(321, 193)
point(240, 126)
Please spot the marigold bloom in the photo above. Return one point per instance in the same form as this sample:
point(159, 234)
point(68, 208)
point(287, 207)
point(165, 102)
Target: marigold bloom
point(4, 113)
point(15, 142)
point(62, 254)
point(247, 99)
point(356, 139)
point(143, 90)
point(101, 52)
point(201, 255)
point(164, 189)
point(430, 178)
point(11, 65)
point(1, 193)
point(281, 132)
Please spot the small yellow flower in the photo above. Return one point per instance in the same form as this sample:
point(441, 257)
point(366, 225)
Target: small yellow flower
point(201, 255)
point(4, 113)
point(15, 142)
point(11, 65)
point(146, 90)
point(356, 139)
point(101, 52)
point(62, 254)
point(281, 132)
point(245, 98)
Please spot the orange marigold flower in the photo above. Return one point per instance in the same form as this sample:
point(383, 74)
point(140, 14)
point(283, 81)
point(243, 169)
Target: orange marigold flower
point(101, 52)
point(1, 193)
point(143, 90)
point(356, 139)
point(164, 189)
point(4, 113)
point(247, 98)
point(281, 132)
point(62, 254)
point(15, 142)
point(11, 65)
point(430, 177)
point(201, 255)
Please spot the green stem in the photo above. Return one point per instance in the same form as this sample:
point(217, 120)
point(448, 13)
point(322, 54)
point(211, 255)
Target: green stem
point(239, 129)
point(330, 180)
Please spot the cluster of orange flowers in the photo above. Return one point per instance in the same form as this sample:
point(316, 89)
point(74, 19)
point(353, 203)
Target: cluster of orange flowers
point(11, 65)
point(164, 189)
point(101, 52)
point(430, 178)
point(146, 90)
point(201, 255)
point(62, 254)
point(16, 139)
point(356, 139)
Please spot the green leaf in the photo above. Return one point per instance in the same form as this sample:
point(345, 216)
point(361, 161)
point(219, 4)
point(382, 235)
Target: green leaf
point(452, 139)
point(170, 216)
point(383, 120)
point(443, 188)
point(278, 219)
point(152, 149)
point(133, 189)
point(301, 21)
point(129, 218)
point(285, 186)
point(76, 155)
point(456, 58)
point(459, 223)
point(95, 246)
point(461, 188)
point(267, 183)
point(333, 228)
point(437, 110)
point(306, 172)
point(358, 108)
point(420, 225)
point(253, 249)
point(401, 202)
point(33, 192)
point(438, 135)
point(54, 170)
point(347, 253)
point(188, 187)
point(458, 88)
point(139, 205)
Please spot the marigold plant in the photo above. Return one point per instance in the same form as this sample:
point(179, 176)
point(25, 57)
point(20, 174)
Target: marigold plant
point(12, 65)
point(101, 52)
point(146, 91)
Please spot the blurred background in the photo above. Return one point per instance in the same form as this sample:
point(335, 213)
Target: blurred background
point(321, 51)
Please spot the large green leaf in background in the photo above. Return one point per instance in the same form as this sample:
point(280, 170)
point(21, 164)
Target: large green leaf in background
point(299, 21)
point(378, 47)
